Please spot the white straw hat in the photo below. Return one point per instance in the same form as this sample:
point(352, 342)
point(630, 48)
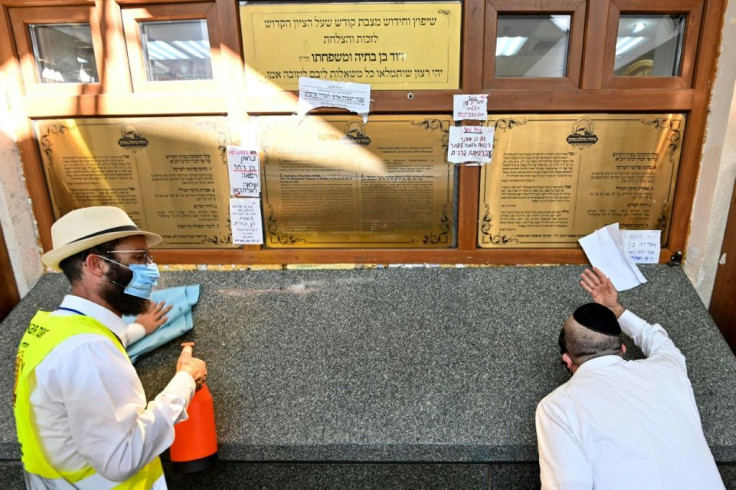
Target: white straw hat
point(84, 228)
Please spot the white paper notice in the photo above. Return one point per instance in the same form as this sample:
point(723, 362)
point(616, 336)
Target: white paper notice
point(245, 221)
point(605, 250)
point(244, 168)
point(470, 107)
point(313, 93)
point(643, 246)
point(470, 144)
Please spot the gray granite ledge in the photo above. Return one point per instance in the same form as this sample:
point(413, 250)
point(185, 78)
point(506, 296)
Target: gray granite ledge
point(396, 365)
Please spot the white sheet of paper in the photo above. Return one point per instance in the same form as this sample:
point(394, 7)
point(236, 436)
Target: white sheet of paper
point(313, 93)
point(605, 250)
point(473, 107)
point(470, 144)
point(643, 246)
point(245, 221)
point(244, 168)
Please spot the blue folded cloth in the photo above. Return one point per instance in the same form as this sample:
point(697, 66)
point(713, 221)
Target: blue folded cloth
point(180, 319)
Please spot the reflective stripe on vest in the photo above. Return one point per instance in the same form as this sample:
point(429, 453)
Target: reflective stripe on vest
point(93, 482)
point(45, 332)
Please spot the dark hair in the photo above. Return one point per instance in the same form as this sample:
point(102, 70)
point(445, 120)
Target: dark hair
point(72, 266)
point(561, 341)
point(583, 344)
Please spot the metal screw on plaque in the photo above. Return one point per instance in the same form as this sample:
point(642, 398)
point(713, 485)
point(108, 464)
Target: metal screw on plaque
point(410, 96)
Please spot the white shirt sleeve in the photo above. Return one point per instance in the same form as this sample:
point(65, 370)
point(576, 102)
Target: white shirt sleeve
point(133, 333)
point(562, 462)
point(111, 426)
point(651, 339)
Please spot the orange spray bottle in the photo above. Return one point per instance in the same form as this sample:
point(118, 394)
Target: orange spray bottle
point(195, 439)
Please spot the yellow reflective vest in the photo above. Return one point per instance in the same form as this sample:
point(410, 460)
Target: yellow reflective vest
point(45, 332)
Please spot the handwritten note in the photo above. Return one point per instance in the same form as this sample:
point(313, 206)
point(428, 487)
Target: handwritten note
point(470, 107)
point(313, 93)
point(643, 246)
point(605, 250)
point(245, 171)
point(245, 221)
point(470, 144)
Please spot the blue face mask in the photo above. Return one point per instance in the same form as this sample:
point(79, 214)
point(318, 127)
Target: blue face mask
point(145, 277)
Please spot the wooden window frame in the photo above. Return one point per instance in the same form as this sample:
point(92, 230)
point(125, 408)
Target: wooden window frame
point(22, 17)
point(495, 8)
point(134, 16)
point(692, 9)
point(594, 94)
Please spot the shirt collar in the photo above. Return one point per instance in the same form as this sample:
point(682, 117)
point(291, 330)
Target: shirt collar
point(599, 362)
point(99, 313)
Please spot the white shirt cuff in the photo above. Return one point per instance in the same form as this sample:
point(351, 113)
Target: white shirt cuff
point(134, 333)
point(630, 323)
point(181, 388)
point(182, 384)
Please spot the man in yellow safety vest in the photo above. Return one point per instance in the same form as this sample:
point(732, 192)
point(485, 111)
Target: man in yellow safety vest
point(80, 409)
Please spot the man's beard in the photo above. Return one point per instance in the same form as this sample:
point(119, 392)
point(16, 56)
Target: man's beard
point(125, 304)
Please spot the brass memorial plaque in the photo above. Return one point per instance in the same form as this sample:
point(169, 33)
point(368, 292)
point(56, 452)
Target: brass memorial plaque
point(556, 178)
point(168, 173)
point(412, 45)
point(316, 192)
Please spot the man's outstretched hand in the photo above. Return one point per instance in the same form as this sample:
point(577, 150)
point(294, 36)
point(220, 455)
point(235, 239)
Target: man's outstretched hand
point(601, 290)
point(154, 317)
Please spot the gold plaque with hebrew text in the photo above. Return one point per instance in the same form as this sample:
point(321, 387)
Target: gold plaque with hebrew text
point(556, 178)
point(391, 46)
point(168, 173)
point(336, 182)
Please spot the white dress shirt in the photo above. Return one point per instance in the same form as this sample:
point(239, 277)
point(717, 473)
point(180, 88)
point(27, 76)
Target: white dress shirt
point(626, 424)
point(89, 404)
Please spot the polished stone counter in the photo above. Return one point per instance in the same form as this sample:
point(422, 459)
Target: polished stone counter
point(417, 365)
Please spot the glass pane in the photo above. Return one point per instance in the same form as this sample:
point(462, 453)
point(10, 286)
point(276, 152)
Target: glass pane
point(532, 45)
point(649, 45)
point(176, 50)
point(64, 53)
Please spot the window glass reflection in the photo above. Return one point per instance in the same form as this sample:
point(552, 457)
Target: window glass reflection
point(649, 45)
point(64, 53)
point(532, 45)
point(176, 50)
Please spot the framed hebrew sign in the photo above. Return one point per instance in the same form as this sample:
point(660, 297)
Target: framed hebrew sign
point(556, 178)
point(335, 182)
point(391, 46)
point(168, 173)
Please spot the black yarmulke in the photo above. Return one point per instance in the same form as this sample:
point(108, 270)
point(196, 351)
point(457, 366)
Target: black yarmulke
point(597, 318)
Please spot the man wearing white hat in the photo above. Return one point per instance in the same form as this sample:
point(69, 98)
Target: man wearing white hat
point(80, 409)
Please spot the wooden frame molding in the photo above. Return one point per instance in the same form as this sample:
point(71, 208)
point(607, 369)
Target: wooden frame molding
point(495, 8)
point(588, 87)
point(22, 18)
point(692, 9)
point(132, 19)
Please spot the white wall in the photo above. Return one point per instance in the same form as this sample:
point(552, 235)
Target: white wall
point(717, 171)
point(16, 216)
